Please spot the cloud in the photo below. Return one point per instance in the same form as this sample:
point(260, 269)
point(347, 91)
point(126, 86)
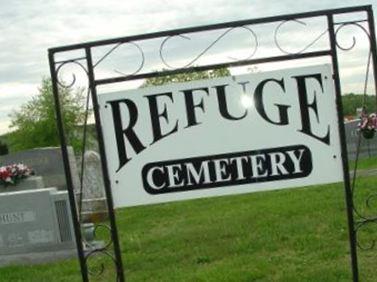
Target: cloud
point(14, 90)
point(4, 126)
point(29, 28)
point(12, 95)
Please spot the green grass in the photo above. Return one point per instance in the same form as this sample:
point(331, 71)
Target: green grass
point(286, 235)
point(367, 163)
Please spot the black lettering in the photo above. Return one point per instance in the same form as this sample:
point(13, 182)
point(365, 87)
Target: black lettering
point(305, 106)
point(221, 96)
point(156, 115)
point(190, 105)
point(258, 96)
point(128, 132)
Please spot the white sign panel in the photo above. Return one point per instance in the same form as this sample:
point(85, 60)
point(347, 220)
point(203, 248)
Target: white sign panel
point(222, 136)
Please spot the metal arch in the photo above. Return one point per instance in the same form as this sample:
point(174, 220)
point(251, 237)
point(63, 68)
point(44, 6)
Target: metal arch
point(285, 55)
point(160, 34)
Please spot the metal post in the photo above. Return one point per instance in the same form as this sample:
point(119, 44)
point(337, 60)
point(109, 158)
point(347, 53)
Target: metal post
point(342, 135)
point(109, 197)
point(67, 169)
point(373, 46)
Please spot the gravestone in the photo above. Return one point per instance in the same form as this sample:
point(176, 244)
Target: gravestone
point(93, 180)
point(34, 221)
point(368, 147)
point(29, 183)
point(46, 162)
point(94, 200)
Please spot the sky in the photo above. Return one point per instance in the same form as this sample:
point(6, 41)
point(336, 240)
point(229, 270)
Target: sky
point(29, 28)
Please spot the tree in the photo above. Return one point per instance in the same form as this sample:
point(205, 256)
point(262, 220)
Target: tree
point(35, 122)
point(3, 148)
point(186, 76)
point(353, 101)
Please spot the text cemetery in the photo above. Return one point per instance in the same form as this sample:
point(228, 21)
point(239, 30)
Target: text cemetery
point(230, 169)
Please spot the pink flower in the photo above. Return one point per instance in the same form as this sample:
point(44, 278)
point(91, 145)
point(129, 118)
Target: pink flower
point(11, 174)
point(368, 122)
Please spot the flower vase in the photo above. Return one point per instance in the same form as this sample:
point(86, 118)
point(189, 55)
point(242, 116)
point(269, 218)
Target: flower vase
point(368, 133)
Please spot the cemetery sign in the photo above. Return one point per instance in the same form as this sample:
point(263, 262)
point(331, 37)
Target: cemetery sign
point(222, 136)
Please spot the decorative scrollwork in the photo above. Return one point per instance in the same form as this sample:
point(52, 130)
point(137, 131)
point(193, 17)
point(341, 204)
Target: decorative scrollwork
point(281, 49)
point(99, 250)
point(360, 225)
point(203, 52)
point(341, 27)
point(99, 268)
point(363, 221)
point(74, 79)
point(140, 50)
point(362, 217)
point(369, 199)
point(108, 229)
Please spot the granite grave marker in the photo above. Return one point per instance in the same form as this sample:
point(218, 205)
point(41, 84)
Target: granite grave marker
point(46, 162)
point(35, 221)
point(94, 200)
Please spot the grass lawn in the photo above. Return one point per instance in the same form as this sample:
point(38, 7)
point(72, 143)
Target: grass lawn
point(286, 235)
point(368, 163)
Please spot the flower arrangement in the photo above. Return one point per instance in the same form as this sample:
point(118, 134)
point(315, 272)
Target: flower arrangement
point(12, 174)
point(368, 125)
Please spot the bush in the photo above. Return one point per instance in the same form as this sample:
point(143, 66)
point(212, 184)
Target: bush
point(3, 149)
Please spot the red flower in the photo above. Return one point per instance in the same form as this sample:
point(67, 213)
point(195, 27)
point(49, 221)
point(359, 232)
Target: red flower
point(11, 174)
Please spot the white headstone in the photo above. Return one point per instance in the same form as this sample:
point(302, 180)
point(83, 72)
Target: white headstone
point(93, 186)
point(93, 195)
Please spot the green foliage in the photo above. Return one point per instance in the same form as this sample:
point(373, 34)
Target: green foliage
point(187, 76)
point(353, 101)
point(35, 123)
point(3, 148)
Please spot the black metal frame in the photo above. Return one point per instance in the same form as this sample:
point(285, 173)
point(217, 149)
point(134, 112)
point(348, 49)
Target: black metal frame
point(87, 64)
